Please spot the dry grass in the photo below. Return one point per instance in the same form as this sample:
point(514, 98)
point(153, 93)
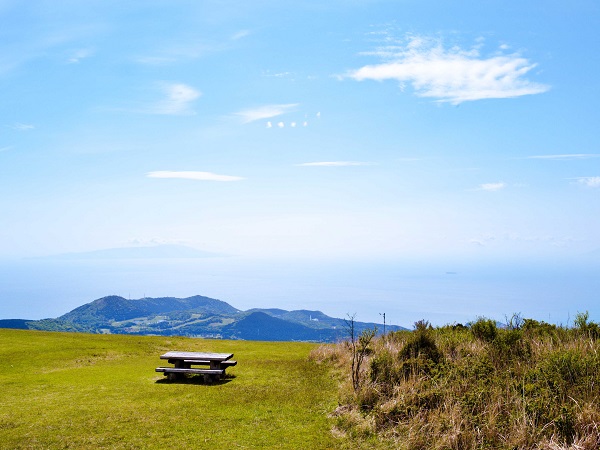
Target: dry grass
point(531, 387)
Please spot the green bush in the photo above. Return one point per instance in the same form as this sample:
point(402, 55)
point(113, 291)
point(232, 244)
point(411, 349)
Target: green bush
point(420, 354)
point(383, 370)
point(533, 328)
point(529, 386)
point(589, 329)
point(421, 345)
point(509, 345)
point(484, 329)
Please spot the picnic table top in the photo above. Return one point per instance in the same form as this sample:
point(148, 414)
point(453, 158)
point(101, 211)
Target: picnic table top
point(197, 355)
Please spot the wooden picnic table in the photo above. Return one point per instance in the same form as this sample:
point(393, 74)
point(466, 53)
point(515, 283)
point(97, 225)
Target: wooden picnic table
point(183, 362)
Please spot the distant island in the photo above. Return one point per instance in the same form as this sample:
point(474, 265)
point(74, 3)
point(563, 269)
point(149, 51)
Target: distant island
point(196, 316)
point(163, 251)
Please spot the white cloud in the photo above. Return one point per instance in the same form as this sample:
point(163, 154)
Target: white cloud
point(240, 35)
point(191, 175)
point(265, 112)
point(566, 156)
point(140, 241)
point(181, 50)
point(78, 55)
point(22, 127)
point(492, 187)
point(335, 164)
point(409, 159)
point(179, 98)
point(513, 237)
point(268, 73)
point(155, 60)
point(451, 74)
point(593, 182)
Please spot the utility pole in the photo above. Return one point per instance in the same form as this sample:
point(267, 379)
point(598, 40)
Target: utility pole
point(383, 314)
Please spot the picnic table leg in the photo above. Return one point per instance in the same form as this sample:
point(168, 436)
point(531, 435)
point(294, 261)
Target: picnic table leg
point(179, 364)
point(217, 365)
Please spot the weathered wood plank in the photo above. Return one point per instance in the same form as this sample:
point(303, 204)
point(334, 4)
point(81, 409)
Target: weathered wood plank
point(193, 371)
point(228, 363)
point(197, 356)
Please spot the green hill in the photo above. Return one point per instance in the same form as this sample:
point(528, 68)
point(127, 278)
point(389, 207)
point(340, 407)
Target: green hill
point(196, 316)
point(118, 308)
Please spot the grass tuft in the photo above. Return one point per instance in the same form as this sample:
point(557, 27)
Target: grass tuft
point(528, 386)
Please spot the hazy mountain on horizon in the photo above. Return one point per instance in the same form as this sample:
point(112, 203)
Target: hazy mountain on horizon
point(162, 251)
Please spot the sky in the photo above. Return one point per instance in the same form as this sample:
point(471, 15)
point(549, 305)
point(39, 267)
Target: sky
point(358, 130)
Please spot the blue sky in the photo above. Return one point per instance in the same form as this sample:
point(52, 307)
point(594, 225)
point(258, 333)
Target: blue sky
point(340, 129)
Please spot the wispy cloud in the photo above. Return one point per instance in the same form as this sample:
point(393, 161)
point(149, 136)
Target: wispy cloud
point(453, 74)
point(285, 74)
point(335, 164)
point(488, 239)
point(492, 187)
point(265, 112)
point(178, 101)
point(592, 182)
point(192, 175)
point(155, 60)
point(78, 55)
point(182, 50)
point(22, 126)
point(566, 156)
point(240, 35)
point(142, 241)
point(5, 149)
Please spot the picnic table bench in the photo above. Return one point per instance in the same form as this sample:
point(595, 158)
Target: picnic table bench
point(183, 362)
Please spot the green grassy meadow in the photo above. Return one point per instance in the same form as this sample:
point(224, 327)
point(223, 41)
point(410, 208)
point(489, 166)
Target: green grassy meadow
point(69, 390)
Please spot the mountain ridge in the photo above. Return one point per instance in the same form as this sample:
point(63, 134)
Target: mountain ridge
point(196, 316)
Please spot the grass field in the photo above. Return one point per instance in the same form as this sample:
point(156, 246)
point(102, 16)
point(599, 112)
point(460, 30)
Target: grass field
point(68, 390)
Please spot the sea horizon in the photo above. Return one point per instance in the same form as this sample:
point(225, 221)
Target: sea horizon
point(442, 292)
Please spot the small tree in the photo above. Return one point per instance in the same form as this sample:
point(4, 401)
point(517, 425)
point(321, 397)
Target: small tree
point(591, 329)
point(359, 347)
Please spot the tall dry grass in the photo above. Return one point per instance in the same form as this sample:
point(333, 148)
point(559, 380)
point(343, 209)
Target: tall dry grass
point(530, 386)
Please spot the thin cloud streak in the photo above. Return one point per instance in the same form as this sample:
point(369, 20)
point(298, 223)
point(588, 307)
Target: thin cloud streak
point(566, 156)
point(22, 127)
point(265, 112)
point(592, 182)
point(335, 164)
point(240, 35)
point(451, 75)
point(79, 55)
point(491, 238)
point(192, 175)
point(179, 98)
point(491, 187)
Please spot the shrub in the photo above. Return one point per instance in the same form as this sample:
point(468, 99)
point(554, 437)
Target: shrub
point(539, 329)
point(420, 355)
point(421, 345)
point(484, 329)
point(383, 370)
point(528, 387)
point(590, 329)
point(509, 345)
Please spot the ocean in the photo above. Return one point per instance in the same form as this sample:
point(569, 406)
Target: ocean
point(442, 293)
